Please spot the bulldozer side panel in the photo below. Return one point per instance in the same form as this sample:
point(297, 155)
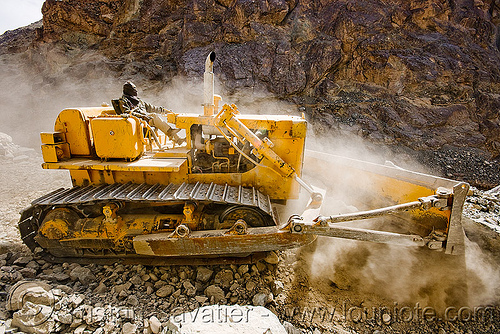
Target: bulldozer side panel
point(74, 123)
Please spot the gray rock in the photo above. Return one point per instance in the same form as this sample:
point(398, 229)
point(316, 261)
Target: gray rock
point(177, 293)
point(129, 328)
point(261, 266)
point(132, 300)
point(277, 287)
point(201, 299)
point(101, 289)
point(82, 274)
point(243, 269)
point(68, 290)
point(33, 265)
point(216, 292)
point(123, 294)
point(190, 288)
point(28, 272)
point(23, 260)
point(154, 324)
point(80, 329)
point(224, 278)
point(272, 258)
point(65, 318)
point(136, 280)
point(225, 319)
point(261, 299)
point(57, 277)
point(122, 287)
point(4, 314)
point(165, 291)
point(203, 274)
point(250, 286)
point(159, 284)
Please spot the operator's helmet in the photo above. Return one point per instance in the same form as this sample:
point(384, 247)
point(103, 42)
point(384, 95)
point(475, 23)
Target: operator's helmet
point(129, 89)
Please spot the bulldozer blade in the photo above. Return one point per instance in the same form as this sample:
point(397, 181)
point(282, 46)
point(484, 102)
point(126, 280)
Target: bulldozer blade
point(372, 186)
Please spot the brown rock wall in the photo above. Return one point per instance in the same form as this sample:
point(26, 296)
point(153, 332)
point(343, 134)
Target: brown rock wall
point(420, 73)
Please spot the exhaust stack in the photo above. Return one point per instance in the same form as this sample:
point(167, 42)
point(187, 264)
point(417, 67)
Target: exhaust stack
point(208, 92)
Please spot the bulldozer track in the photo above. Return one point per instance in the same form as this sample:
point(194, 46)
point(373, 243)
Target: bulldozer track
point(210, 192)
point(248, 197)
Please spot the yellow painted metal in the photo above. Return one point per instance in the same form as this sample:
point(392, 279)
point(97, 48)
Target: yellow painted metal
point(52, 137)
point(378, 186)
point(287, 133)
point(163, 171)
point(116, 137)
point(226, 118)
point(74, 123)
point(88, 130)
point(177, 152)
point(281, 125)
point(55, 152)
point(54, 146)
point(142, 165)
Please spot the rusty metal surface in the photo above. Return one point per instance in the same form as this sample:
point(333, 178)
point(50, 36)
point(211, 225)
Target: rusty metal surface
point(95, 247)
point(218, 242)
point(358, 234)
point(456, 236)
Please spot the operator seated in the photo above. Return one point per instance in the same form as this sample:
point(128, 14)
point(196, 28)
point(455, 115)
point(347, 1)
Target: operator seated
point(131, 104)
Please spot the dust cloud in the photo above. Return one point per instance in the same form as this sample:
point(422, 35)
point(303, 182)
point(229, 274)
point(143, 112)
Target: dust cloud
point(389, 273)
point(34, 95)
point(31, 103)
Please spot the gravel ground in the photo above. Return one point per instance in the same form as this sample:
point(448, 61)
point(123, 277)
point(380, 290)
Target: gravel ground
point(328, 287)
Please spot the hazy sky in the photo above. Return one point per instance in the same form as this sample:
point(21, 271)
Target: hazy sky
point(19, 13)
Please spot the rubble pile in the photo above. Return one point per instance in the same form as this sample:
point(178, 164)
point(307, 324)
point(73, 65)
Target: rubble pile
point(484, 207)
point(13, 152)
point(41, 297)
point(123, 298)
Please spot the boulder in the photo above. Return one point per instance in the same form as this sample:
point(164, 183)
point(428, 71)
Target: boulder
point(29, 291)
point(203, 274)
point(165, 291)
point(215, 292)
point(82, 274)
point(235, 319)
point(154, 324)
point(129, 328)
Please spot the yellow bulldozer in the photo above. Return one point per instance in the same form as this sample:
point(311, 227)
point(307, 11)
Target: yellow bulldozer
point(230, 191)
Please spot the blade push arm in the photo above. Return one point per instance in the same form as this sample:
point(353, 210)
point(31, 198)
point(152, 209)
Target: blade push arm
point(452, 241)
point(422, 203)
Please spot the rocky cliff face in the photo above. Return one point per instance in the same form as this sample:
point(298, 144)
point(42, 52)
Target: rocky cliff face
point(422, 74)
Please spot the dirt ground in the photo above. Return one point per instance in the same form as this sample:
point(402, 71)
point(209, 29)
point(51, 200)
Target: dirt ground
point(22, 182)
